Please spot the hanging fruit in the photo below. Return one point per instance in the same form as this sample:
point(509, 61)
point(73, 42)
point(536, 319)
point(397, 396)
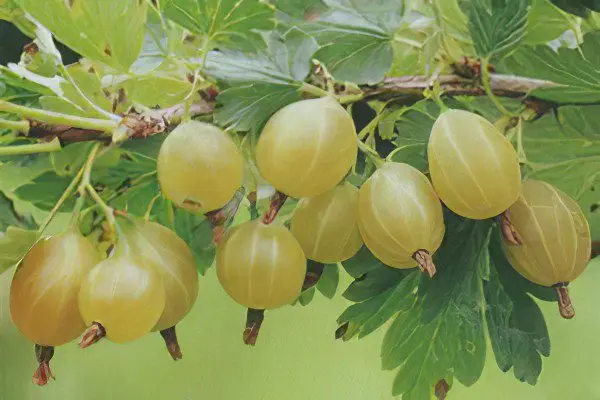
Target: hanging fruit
point(166, 252)
point(326, 226)
point(199, 167)
point(43, 294)
point(555, 239)
point(307, 147)
point(473, 167)
point(122, 298)
point(261, 267)
point(400, 217)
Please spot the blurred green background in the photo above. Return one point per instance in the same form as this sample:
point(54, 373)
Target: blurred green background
point(296, 358)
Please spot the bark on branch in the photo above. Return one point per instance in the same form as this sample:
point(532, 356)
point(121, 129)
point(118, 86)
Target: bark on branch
point(456, 85)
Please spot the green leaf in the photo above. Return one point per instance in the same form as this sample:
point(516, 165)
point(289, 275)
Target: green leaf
point(226, 23)
point(356, 38)
point(9, 217)
point(373, 282)
point(576, 7)
point(573, 70)
point(499, 28)
point(247, 108)
point(14, 244)
point(306, 297)
point(197, 232)
point(329, 280)
point(566, 153)
point(71, 158)
point(545, 23)
point(109, 31)
point(361, 263)
point(443, 332)
point(516, 326)
point(370, 315)
point(45, 190)
point(267, 80)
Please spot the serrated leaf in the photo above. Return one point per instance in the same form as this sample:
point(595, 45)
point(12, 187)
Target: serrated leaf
point(328, 282)
point(442, 334)
point(356, 38)
point(13, 246)
point(545, 23)
point(373, 282)
point(71, 158)
point(110, 31)
point(370, 315)
point(516, 326)
point(566, 153)
point(226, 23)
point(9, 217)
point(499, 28)
point(45, 190)
point(248, 107)
point(270, 79)
point(574, 71)
point(306, 296)
point(196, 230)
point(361, 263)
point(285, 61)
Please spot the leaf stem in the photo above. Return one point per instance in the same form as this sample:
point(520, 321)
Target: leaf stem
point(371, 154)
point(487, 87)
point(314, 90)
point(59, 118)
point(65, 73)
point(33, 148)
point(17, 126)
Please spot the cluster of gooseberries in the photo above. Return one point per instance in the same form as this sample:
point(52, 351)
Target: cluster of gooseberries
point(305, 151)
point(63, 285)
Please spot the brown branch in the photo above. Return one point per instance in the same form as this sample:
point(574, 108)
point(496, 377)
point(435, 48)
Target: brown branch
point(141, 125)
point(455, 85)
point(407, 88)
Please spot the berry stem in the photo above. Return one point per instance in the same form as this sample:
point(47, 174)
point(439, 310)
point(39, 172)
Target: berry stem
point(221, 218)
point(33, 148)
point(565, 306)
point(509, 232)
point(254, 319)
point(92, 335)
point(55, 118)
point(370, 153)
point(170, 337)
point(17, 126)
point(253, 209)
point(425, 262)
point(277, 201)
point(43, 373)
point(441, 389)
point(314, 270)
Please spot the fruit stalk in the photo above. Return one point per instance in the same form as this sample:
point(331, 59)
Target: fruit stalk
point(170, 337)
point(92, 335)
point(425, 261)
point(509, 232)
point(565, 306)
point(221, 218)
point(254, 319)
point(42, 374)
point(277, 201)
point(314, 270)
